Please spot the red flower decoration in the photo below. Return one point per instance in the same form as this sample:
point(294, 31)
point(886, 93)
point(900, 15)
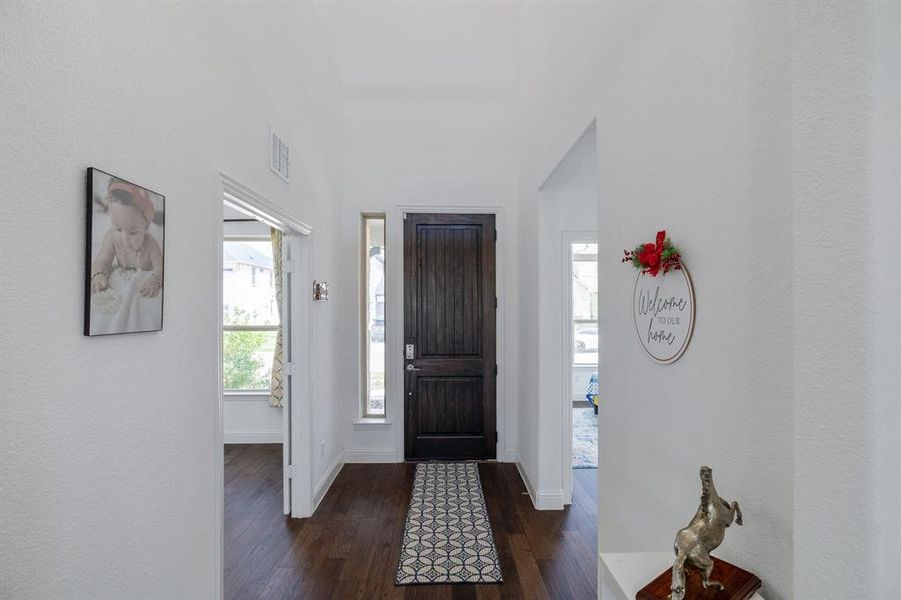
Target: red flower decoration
point(651, 259)
point(650, 254)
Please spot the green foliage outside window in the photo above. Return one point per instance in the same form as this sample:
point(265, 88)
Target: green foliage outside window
point(243, 365)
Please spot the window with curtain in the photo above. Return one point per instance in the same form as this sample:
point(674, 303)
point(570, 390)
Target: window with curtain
point(249, 314)
point(373, 316)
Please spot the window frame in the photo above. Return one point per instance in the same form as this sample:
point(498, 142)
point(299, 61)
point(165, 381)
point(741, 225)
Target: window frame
point(365, 217)
point(258, 328)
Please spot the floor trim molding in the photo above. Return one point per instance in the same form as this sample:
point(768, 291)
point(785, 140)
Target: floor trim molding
point(327, 479)
point(370, 455)
point(525, 480)
point(508, 455)
point(549, 500)
point(252, 436)
point(541, 499)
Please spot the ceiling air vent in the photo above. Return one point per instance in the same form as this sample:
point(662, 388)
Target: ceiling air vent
point(279, 158)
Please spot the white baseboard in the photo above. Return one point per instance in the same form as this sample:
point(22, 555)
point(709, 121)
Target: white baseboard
point(508, 455)
point(541, 499)
point(327, 479)
point(371, 455)
point(549, 500)
point(526, 482)
point(252, 436)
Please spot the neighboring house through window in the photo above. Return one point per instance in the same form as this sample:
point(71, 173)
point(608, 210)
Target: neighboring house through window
point(250, 313)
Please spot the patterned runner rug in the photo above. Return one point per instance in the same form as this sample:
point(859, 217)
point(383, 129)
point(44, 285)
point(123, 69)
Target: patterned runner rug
point(447, 536)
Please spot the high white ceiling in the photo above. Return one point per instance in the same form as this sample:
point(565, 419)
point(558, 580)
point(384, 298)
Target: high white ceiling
point(423, 45)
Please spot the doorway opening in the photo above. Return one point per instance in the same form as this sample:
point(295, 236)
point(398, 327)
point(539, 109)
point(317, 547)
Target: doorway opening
point(263, 318)
point(256, 292)
point(581, 319)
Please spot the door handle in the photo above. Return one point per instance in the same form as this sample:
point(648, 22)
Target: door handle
point(411, 368)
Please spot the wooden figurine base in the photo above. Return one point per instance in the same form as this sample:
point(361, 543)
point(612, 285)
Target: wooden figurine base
point(740, 585)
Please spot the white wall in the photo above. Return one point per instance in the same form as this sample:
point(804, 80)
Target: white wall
point(427, 94)
point(847, 362)
point(580, 379)
point(760, 137)
point(568, 202)
point(306, 36)
point(692, 104)
point(248, 419)
point(885, 219)
point(107, 450)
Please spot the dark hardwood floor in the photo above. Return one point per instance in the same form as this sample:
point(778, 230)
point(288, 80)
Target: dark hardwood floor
point(350, 547)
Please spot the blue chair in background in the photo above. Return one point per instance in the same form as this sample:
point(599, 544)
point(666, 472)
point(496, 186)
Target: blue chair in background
point(592, 394)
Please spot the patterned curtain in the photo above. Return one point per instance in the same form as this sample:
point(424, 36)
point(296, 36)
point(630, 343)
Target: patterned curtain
point(277, 381)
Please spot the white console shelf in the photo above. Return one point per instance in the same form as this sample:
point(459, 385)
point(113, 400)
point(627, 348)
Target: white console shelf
point(622, 574)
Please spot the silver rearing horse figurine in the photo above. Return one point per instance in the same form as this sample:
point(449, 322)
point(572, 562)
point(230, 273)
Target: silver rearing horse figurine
point(703, 535)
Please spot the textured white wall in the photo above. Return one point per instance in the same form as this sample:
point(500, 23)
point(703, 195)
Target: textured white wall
point(107, 444)
point(693, 132)
point(886, 218)
point(428, 89)
point(847, 363)
point(765, 138)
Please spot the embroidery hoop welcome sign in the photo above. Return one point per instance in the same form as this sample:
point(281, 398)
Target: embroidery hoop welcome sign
point(663, 309)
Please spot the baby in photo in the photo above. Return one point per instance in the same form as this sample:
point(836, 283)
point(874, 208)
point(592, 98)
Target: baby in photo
point(126, 278)
point(128, 245)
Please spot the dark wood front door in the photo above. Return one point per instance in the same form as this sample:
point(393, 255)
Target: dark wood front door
point(450, 374)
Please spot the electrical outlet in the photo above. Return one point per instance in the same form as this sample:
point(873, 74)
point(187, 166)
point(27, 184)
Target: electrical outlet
point(322, 449)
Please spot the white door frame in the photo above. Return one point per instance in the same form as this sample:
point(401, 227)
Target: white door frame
point(569, 238)
point(299, 238)
point(394, 323)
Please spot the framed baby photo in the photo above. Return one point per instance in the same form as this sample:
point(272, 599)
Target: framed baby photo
point(124, 256)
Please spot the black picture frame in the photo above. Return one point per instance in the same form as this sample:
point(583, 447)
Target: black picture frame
point(122, 299)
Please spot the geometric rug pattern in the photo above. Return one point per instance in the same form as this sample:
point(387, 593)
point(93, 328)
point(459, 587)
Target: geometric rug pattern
point(585, 438)
point(447, 536)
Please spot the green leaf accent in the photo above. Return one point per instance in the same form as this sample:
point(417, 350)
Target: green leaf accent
point(669, 252)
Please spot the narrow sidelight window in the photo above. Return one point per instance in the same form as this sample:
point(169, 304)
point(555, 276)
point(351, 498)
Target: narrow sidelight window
point(373, 316)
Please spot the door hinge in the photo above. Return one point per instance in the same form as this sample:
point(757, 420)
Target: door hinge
point(289, 472)
point(495, 235)
point(495, 302)
point(288, 265)
point(290, 369)
point(495, 437)
point(495, 369)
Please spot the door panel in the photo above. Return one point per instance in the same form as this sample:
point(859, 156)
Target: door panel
point(449, 405)
point(450, 287)
point(449, 318)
